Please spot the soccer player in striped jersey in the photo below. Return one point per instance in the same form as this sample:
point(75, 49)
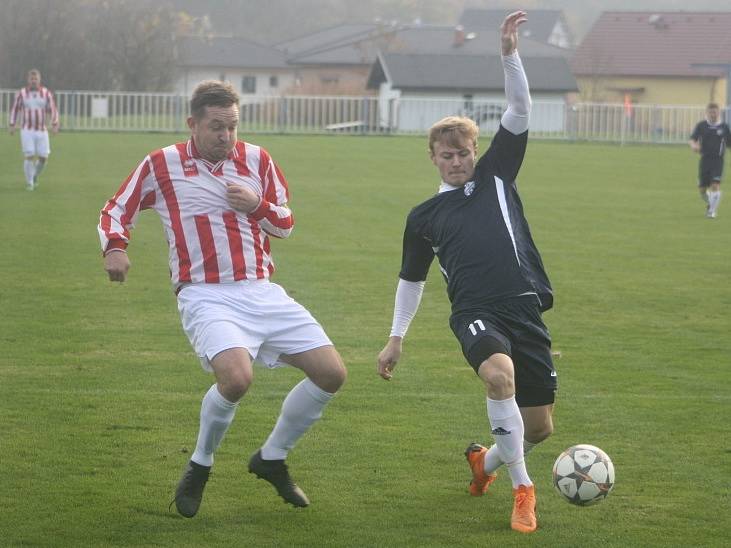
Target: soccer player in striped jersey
point(495, 280)
point(710, 139)
point(33, 107)
point(220, 200)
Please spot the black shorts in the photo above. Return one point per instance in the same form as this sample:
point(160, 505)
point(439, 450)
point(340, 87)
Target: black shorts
point(513, 327)
point(710, 170)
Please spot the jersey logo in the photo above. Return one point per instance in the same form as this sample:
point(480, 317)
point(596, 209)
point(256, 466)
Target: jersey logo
point(189, 167)
point(469, 188)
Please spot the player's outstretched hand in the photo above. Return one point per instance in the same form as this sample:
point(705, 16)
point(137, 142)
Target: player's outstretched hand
point(389, 357)
point(509, 31)
point(241, 198)
point(116, 263)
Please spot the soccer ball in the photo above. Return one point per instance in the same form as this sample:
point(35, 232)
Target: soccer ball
point(583, 474)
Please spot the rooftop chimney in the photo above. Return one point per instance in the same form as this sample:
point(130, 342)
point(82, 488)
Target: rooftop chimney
point(459, 36)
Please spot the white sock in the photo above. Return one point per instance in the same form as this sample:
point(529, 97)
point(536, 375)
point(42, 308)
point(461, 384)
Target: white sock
point(507, 429)
point(39, 165)
point(217, 413)
point(30, 171)
point(493, 461)
point(300, 409)
point(704, 196)
point(714, 197)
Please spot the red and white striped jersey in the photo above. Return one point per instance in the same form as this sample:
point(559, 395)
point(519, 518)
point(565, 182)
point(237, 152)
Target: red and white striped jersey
point(32, 106)
point(208, 240)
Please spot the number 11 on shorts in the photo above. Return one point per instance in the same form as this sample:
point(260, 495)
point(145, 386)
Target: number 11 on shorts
point(474, 325)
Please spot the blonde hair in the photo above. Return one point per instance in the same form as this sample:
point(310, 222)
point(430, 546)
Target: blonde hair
point(454, 131)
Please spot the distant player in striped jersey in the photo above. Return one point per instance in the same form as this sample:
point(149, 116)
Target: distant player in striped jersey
point(32, 109)
point(220, 200)
point(710, 139)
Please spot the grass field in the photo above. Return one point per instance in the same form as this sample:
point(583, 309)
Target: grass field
point(100, 391)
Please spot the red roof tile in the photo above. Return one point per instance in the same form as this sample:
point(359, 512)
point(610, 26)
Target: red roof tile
point(655, 44)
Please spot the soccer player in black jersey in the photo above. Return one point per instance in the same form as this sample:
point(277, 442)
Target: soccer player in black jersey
point(495, 281)
point(710, 138)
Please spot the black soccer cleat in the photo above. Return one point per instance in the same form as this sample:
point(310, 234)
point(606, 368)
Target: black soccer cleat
point(189, 492)
point(276, 473)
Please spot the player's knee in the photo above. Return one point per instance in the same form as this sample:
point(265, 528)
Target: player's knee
point(236, 384)
point(335, 375)
point(498, 380)
point(536, 433)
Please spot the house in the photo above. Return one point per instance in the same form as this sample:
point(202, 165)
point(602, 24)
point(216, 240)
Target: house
point(546, 26)
point(457, 72)
point(336, 60)
point(252, 68)
point(680, 58)
point(341, 58)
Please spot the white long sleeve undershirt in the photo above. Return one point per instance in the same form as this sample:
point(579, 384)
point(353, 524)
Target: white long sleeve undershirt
point(516, 118)
point(408, 297)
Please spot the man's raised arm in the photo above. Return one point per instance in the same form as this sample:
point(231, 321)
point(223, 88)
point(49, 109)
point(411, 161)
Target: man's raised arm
point(516, 117)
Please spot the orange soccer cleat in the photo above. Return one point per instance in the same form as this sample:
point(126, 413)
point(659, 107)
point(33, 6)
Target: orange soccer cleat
point(475, 454)
point(524, 509)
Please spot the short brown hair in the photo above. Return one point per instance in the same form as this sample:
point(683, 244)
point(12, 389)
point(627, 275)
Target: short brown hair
point(454, 130)
point(212, 93)
point(34, 71)
point(712, 105)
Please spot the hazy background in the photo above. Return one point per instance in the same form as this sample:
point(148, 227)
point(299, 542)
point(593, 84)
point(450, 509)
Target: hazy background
point(129, 44)
point(269, 21)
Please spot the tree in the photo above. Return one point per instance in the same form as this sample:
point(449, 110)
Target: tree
point(90, 44)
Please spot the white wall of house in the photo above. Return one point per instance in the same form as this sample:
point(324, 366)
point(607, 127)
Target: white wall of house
point(254, 82)
point(417, 111)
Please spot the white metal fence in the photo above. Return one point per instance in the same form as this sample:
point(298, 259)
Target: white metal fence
point(166, 112)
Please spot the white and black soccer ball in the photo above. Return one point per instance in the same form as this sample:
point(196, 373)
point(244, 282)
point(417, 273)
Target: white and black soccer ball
point(583, 474)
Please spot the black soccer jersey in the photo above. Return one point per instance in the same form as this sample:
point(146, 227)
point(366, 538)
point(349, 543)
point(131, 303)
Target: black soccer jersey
point(479, 234)
point(713, 138)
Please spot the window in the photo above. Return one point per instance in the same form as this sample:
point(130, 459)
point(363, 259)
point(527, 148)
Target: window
point(274, 81)
point(248, 84)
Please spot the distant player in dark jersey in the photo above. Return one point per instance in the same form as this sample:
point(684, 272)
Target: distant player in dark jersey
point(495, 281)
point(710, 138)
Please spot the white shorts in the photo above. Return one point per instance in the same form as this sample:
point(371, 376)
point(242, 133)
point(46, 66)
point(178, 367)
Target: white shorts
point(35, 143)
point(254, 314)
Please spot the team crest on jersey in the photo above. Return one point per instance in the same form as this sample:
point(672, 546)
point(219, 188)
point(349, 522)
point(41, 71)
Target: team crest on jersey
point(189, 167)
point(469, 188)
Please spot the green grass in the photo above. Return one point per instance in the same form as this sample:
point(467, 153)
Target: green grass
point(100, 392)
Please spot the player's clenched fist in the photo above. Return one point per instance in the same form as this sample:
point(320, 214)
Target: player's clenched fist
point(116, 264)
point(241, 198)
